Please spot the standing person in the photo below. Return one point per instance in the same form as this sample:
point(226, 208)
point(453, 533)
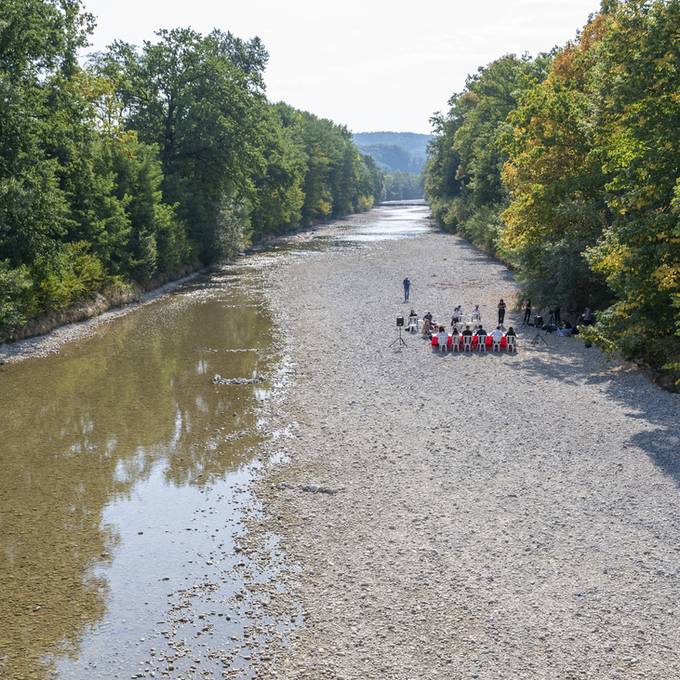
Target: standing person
point(527, 312)
point(407, 288)
point(557, 317)
point(501, 312)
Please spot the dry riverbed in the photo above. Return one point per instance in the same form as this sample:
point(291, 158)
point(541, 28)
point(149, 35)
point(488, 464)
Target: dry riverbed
point(458, 516)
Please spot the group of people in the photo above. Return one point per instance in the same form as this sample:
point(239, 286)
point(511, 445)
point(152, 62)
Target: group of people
point(497, 334)
point(473, 328)
point(555, 321)
point(476, 314)
point(430, 327)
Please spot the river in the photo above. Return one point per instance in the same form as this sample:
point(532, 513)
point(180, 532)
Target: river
point(126, 472)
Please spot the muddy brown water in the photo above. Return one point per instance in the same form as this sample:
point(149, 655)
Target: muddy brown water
point(115, 456)
point(125, 472)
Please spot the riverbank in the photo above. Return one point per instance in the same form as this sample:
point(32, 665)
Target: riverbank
point(48, 334)
point(459, 516)
point(53, 332)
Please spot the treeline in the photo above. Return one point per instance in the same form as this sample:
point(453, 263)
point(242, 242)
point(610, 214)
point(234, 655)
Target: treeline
point(567, 166)
point(400, 186)
point(147, 162)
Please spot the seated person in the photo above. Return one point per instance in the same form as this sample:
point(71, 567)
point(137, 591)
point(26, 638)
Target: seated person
point(511, 331)
point(456, 316)
point(476, 314)
point(565, 330)
point(480, 332)
point(442, 338)
point(587, 318)
point(496, 334)
point(412, 320)
point(428, 316)
point(467, 331)
point(454, 331)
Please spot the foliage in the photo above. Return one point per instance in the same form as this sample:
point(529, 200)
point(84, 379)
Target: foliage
point(71, 274)
point(583, 169)
point(403, 186)
point(463, 174)
point(401, 157)
point(149, 161)
point(15, 286)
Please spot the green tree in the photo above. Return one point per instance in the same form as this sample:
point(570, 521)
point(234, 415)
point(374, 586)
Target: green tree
point(554, 175)
point(637, 86)
point(463, 174)
point(149, 161)
point(199, 99)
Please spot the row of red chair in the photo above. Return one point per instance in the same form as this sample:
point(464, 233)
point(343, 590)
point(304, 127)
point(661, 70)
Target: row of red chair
point(475, 342)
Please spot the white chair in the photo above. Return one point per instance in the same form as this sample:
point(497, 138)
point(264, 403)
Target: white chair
point(496, 345)
point(413, 324)
point(512, 343)
point(455, 343)
point(467, 343)
point(481, 344)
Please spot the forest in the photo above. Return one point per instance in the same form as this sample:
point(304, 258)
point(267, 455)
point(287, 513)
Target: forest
point(401, 156)
point(567, 167)
point(147, 162)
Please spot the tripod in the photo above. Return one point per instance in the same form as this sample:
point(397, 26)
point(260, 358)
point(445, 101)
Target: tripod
point(398, 340)
point(539, 338)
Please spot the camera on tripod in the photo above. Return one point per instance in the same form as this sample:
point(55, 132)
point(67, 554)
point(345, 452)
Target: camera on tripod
point(538, 323)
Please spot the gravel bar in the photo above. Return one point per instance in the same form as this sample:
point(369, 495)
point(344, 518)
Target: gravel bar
point(483, 516)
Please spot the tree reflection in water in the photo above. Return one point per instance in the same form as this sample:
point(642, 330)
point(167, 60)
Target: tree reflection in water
point(81, 429)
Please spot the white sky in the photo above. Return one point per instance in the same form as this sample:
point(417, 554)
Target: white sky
point(372, 65)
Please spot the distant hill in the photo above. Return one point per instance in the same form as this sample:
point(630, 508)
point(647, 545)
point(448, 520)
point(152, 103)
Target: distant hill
point(395, 151)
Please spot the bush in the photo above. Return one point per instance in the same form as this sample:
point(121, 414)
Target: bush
point(15, 293)
point(63, 279)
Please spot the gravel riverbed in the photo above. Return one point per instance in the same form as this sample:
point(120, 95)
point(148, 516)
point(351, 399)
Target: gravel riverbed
point(468, 516)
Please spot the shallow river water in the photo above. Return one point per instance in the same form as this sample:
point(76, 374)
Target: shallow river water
point(125, 474)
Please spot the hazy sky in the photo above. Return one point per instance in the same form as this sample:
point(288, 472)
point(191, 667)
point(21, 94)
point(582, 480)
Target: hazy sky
point(370, 65)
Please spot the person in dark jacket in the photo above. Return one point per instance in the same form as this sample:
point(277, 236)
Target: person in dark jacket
point(501, 312)
point(407, 288)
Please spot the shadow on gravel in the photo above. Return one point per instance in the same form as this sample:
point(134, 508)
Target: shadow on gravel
point(476, 256)
point(567, 362)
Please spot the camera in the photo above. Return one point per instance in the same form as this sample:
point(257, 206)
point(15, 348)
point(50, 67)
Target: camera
point(400, 321)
